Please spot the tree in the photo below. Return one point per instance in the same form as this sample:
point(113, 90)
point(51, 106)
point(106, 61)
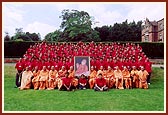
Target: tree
point(103, 32)
point(121, 31)
point(54, 36)
point(7, 37)
point(76, 25)
point(25, 36)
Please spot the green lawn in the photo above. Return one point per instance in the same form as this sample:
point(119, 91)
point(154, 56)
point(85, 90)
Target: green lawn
point(84, 100)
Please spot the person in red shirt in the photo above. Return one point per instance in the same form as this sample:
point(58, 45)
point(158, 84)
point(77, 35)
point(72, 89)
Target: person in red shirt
point(66, 83)
point(19, 67)
point(82, 82)
point(100, 84)
point(148, 68)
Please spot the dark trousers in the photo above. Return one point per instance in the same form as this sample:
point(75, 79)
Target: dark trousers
point(63, 88)
point(148, 78)
point(97, 89)
point(81, 87)
point(18, 78)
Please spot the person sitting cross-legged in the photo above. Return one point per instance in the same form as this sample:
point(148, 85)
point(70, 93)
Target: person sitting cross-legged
point(100, 84)
point(82, 82)
point(65, 83)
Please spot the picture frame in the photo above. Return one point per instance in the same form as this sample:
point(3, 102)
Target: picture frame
point(82, 65)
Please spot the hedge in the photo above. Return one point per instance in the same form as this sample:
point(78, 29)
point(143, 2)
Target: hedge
point(17, 49)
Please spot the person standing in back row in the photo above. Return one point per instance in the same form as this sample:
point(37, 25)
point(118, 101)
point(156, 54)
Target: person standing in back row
point(148, 68)
point(19, 67)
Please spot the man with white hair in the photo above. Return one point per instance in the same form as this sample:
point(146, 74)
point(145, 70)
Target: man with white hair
point(26, 79)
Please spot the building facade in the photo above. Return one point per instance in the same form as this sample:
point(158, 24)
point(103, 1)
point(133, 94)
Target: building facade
point(153, 31)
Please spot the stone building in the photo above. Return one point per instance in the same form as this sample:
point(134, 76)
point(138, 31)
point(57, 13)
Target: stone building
point(153, 31)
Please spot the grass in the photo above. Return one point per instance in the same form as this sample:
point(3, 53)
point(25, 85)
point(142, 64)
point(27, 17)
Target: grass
point(84, 100)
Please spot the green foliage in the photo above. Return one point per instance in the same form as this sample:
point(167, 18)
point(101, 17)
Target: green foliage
point(54, 36)
point(25, 36)
point(84, 100)
point(7, 37)
point(121, 31)
point(76, 26)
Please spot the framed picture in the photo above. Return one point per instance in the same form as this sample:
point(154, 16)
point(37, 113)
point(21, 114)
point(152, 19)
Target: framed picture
point(82, 65)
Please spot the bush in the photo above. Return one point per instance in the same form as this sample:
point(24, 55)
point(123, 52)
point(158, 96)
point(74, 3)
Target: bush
point(17, 49)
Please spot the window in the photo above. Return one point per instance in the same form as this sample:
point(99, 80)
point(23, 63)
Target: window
point(146, 39)
point(160, 37)
point(161, 26)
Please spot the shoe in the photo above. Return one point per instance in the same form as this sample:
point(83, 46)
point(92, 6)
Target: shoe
point(148, 83)
point(84, 88)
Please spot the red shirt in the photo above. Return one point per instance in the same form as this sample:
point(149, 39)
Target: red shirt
point(53, 63)
point(19, 66)
point(106, 64)
point(66, 81)
point(83, 80)
point(100, 82)
point(148, 66)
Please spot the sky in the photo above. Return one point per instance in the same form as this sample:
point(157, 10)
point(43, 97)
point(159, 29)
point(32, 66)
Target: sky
point(44, 18)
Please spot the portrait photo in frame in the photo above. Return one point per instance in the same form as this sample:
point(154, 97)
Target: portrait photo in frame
point(82, 65)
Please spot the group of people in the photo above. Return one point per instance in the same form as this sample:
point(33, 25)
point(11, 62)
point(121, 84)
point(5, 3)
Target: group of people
point(113, 65)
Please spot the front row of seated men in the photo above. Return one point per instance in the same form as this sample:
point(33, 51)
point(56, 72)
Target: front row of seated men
point(101, 80)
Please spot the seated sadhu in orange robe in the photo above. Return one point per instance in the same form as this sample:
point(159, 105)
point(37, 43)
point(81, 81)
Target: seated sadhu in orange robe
point(43, 78)
point(35, 80)
point(127, 78)
point(52, 78)
point(92, 77)
point(74, 81)
point(118, 78)
point(102, 71)
point(110, 77)
point(135, 76)
point(143, 74)
point(26, 79)
point(60, 75)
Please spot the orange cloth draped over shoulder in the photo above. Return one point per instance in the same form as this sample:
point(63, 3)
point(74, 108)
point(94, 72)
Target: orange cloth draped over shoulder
point(74, 81)
point(135, 76)
point(110, 78)
point(26, 80)
point(43, 79)
point(127, 79)
point(92, 77)
point(52, 79)
point(119, 79)
point(35, 80)
point(143, 79)
point(60, 75)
